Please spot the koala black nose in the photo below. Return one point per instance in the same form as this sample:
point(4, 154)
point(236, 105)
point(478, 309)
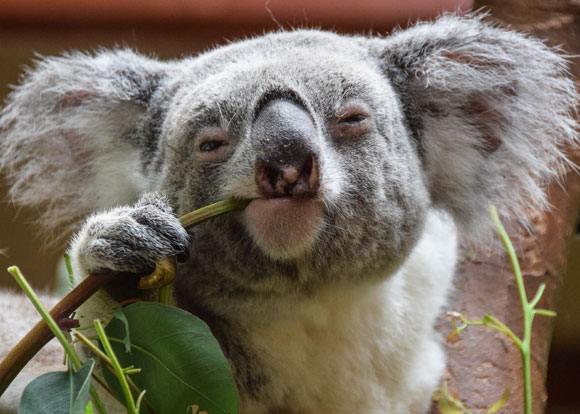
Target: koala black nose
point(287, 160)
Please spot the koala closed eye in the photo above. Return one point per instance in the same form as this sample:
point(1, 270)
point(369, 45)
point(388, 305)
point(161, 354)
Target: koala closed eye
point(353, 119)
point(213, 144)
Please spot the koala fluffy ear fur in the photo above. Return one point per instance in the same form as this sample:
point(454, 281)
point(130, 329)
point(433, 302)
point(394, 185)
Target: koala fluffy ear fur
point(491, 112)
point(60, 124)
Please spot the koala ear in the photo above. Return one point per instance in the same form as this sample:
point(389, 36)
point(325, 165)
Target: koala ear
point(69, 134)
point(491, 112)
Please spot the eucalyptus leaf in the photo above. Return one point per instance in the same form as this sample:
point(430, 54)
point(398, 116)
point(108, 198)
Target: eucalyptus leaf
point(126, 340)
point(181, 362)
point(62, 392)
point(500, 403)
point(447, 403)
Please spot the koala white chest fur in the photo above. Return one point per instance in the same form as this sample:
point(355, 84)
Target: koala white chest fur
point(360, 157)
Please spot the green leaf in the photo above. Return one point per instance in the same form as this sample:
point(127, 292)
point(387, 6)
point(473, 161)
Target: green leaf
point(127, 339)
point(448, 404)
point(69, 269)
point(500, 403)
point(181, 362)
point(60, 392)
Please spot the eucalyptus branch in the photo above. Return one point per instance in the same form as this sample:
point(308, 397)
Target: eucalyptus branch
point(205, 213)
point(127, 371)
point(54, 329)
point(130, 402)
point(41, 334)
point(52, 325)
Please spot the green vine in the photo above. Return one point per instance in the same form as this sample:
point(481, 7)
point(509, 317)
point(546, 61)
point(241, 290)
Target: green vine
point(529, 311)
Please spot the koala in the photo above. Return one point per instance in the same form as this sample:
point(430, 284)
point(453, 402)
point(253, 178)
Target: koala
point(364, 161)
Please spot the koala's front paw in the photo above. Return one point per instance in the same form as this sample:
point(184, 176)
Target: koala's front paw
point(130, 239)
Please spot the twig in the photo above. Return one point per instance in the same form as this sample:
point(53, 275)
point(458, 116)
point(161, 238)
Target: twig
point(54, 329)
point(40, 334)
point(129, 401)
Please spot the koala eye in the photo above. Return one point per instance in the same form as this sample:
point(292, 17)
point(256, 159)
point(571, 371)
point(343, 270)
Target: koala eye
point(212, 144)
point(209, 146)
point(352, 120)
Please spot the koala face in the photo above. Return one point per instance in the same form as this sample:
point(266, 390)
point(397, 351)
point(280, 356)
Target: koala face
point(358, 195)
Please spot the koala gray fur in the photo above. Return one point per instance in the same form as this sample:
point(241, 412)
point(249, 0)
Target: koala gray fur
point(362, 155)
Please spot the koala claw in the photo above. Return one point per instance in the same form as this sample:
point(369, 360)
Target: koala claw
point(131, 239)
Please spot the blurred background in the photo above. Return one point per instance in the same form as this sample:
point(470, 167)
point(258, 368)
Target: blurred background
point(175, 28)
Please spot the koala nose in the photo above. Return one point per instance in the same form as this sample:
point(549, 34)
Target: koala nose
point(287, 161)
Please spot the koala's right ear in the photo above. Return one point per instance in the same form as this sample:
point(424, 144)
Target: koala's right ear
point(491, 112)
point(69, 140)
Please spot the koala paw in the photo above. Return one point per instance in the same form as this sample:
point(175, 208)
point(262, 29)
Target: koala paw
point(131, 239)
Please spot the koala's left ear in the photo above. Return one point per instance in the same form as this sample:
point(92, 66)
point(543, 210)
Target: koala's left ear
point(71, 134)
point(491, 112)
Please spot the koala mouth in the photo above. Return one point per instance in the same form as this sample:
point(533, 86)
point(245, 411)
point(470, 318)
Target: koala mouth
point(284, 227)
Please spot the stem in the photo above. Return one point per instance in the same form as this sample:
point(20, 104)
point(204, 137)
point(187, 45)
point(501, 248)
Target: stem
point(526, 367)
point(165, 294)
point(500, 326)
point(94, 349)
point(40, 334)
point(131, 408)
point(527, 310)
point(205, 213)
point(538, 295)
point(15, 271)
point(52, 325)
point(513, 259)
point(490, 322)
point(69, 269)
point(97, 352)
point(545, 312)
point(97, 400)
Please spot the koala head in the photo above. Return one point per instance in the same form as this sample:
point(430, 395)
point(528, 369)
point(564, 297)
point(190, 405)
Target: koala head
point(343, 143)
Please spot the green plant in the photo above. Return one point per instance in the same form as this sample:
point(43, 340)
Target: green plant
point(199, 378)
point(529, 311)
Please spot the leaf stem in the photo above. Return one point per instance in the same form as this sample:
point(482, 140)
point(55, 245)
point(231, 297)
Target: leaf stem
point(538, 295)
point(490, 322)
point(52, 325)
point(205, 213)
point(524, 344)
point(500, 326)
point(131, 408)
point(100, 354)
point(165, 294)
